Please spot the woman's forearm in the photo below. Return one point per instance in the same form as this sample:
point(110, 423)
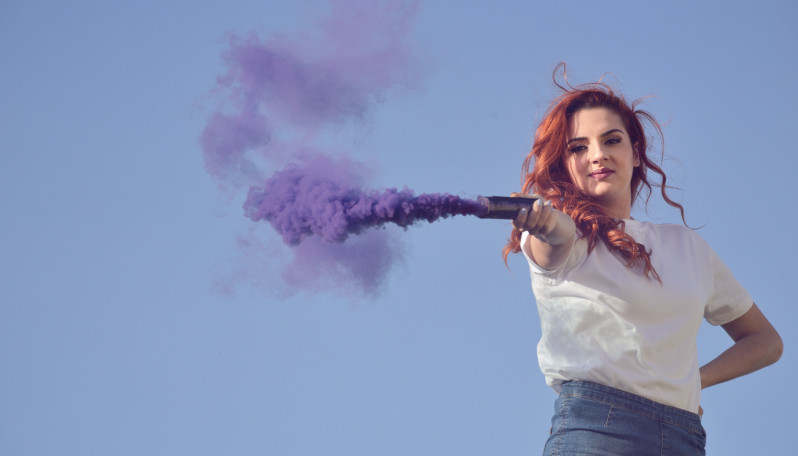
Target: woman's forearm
point(748, 354)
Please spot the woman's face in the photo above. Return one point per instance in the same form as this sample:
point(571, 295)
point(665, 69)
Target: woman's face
point(600, 159)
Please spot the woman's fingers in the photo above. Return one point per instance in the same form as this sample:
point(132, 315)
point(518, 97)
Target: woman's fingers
point(547, 220)
point(520, 220)
point(535, 219)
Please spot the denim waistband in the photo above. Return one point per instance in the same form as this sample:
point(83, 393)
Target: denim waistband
point(632, 403)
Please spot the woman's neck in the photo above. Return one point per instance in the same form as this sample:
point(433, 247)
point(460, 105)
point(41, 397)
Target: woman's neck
point(619, 209)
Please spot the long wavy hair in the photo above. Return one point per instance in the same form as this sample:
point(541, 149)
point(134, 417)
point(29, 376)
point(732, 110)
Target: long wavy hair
point(544, 171)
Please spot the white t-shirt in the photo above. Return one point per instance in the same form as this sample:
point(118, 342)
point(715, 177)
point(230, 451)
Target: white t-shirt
point(609, 324)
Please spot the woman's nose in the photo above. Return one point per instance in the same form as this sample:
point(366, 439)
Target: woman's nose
point(597, 153)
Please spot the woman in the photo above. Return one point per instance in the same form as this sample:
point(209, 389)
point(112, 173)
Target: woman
point(621, 301)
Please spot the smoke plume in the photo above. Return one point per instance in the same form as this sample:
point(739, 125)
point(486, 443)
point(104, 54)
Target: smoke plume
point(281, 100)
point(304, 201)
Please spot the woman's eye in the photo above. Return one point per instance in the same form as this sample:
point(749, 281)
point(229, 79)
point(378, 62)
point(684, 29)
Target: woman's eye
point(575, 149)
point(613, 141)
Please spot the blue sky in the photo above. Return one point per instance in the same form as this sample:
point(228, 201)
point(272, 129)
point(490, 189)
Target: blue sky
point(135, 320)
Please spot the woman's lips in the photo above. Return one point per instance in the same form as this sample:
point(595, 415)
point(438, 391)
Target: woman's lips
point(600, 174)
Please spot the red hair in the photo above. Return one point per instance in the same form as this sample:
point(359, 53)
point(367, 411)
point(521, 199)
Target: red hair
point(544, 171)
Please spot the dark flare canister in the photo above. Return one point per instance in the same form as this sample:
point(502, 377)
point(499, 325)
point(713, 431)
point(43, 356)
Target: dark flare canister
point(502, 207)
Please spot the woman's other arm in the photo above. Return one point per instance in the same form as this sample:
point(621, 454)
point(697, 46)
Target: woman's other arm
point(756, 345)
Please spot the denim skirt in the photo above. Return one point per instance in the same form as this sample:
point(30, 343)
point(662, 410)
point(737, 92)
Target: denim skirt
point(593, 419)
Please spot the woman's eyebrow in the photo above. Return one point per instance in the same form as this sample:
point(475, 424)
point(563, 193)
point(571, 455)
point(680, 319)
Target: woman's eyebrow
point(608, 132)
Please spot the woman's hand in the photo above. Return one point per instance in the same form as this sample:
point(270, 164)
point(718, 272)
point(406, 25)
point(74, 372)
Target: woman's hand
point(543, 221)
point(552, 232)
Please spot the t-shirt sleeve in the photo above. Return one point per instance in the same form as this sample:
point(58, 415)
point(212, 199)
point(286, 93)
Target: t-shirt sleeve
point(729, 300)
point(553, 275)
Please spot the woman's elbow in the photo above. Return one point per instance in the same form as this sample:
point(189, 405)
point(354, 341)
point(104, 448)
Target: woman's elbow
point(770, 345)
point(777, 347)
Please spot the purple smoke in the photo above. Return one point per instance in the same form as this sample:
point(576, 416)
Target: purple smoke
point(283, 94)
point(283, 99)
point(358, 266)
point(300, 201)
